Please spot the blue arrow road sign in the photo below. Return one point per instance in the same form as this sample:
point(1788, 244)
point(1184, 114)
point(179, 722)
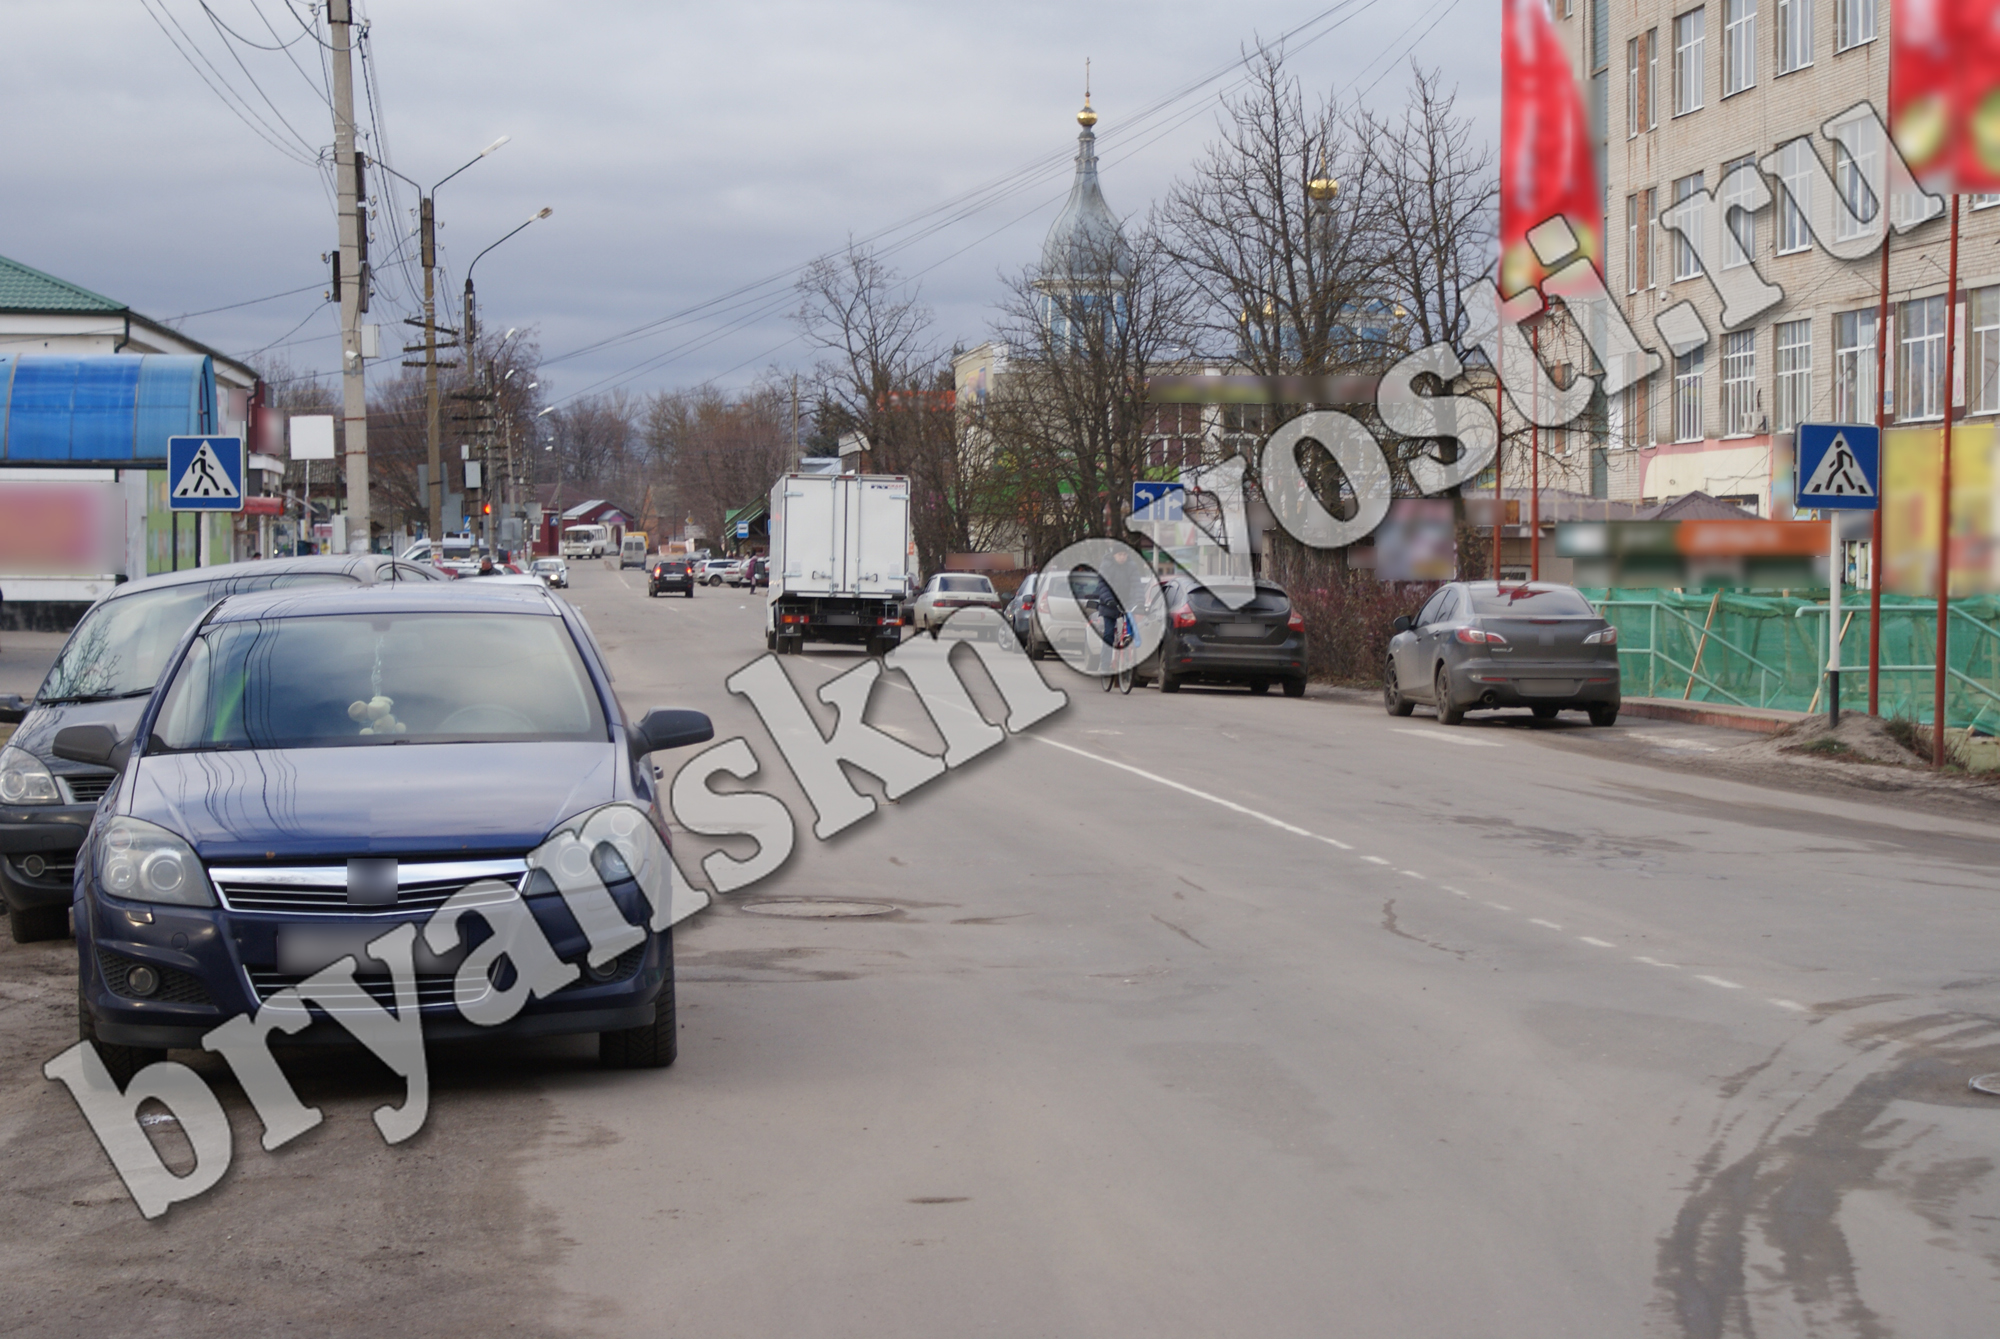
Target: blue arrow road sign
point(1145, 492)
point(205, 473)
point(1840, 467)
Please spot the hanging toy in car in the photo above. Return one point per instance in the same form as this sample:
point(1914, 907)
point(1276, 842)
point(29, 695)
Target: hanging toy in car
point(375, 716)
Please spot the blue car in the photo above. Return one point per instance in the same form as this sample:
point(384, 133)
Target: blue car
point(320, 767)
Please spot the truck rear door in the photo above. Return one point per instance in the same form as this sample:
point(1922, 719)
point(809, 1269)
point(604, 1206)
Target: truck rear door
point(878, 538)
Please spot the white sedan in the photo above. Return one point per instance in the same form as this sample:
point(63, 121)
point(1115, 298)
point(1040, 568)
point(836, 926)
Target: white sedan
point(947, 593)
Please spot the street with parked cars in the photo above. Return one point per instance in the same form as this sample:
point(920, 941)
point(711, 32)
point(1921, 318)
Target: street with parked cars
point(1144, 956)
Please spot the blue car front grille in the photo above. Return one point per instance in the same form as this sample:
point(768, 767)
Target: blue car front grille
point(322, 889)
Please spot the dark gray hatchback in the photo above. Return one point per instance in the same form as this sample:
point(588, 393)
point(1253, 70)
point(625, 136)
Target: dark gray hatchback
point(1206, 641)
point(1481, 644)
point(103, 676)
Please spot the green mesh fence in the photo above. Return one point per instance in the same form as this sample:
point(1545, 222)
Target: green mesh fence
point(1760, 650)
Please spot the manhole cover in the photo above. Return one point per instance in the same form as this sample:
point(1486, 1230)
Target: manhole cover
point(815, 910)
point(1987, 1083)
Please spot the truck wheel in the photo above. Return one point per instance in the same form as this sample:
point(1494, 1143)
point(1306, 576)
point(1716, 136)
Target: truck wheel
point(770, 641)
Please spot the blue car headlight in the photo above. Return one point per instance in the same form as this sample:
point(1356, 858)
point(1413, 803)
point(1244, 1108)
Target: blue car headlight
point(144, 862)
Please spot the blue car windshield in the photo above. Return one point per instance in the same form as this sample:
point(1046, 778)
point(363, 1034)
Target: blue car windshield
point(331, 680)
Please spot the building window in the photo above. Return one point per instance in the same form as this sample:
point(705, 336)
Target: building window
point(1739, 45)
point(1853, 23)
point(1639, 413)
point(1690, 47)
point(1983, 357)
point(1794, 33)
point(1687, 395)
point(1649, 231)
point(1920, 359)
point(1854, 366)
point(1982, 201)
point(1687, 262)
point(1639, 223)
point(1739, 384)
point(1633, 123)
point(1739, 183)
point(1600, 35)
point(1631, 244)
point(1649, 87)
point(1795, 179)
point(1856, 162)
point(1794, 376)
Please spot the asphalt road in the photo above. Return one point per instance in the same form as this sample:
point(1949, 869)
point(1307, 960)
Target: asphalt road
point(1208, 1015)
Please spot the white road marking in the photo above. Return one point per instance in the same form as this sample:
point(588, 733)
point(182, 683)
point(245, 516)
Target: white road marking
point(1547, 925)
point(1374, 860)
point(1601, 943)
point(1230, 805)
point(1333, 841)
point(1409, 874)
point(1718, 981)
point(1448, 739)
point(1449, 889)
point(1499, 906)
point(1793, 1005)
point(1655, 962)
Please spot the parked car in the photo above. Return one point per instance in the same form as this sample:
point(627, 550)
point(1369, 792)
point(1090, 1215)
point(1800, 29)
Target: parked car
point(715, 571)
point(308, 843)
point(751, 572)
point(102, 676)
point(947, 593)
point(1485, 644)
point(670, 575)
point(1206, 641)
point(554, 572)
point(1019, 611)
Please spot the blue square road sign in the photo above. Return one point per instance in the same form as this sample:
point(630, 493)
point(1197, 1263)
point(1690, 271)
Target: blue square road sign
point(205, 473)
point(1840, 467)
point(1145, 492)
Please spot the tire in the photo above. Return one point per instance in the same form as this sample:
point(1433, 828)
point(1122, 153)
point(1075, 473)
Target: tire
point(1260, 686)
point(1604, 713)
point(30, 925)
point(1295, 688)
point(121, 1062)
point(770, 641)
point(651, 593)
point(1169, 683)
point(934, 632)
point(1447, 713)
point(689, 592)
point(1544, 711)
point(1393, 700)
point(650, 1046)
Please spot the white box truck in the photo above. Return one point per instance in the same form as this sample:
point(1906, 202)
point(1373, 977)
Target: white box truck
point(840, 551)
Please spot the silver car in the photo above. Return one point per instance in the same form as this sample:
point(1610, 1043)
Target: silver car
point(1485, 644)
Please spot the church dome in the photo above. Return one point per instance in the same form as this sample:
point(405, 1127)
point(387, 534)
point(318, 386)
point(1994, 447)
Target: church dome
point(1085, 242)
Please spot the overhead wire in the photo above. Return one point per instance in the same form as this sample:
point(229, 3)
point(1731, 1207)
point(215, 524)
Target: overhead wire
point(230, 99)
point(210, 311)
point(196, 48)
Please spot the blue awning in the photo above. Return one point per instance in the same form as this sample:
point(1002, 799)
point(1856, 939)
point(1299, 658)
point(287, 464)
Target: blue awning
point(110, 410)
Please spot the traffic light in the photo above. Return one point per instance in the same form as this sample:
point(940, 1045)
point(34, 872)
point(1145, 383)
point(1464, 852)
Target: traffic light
point(488, 509)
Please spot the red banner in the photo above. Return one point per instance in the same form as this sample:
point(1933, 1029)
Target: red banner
point(1944, 92)
point(1545, 159)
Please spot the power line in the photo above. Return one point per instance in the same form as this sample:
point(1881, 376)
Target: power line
point(209, 311)
point(223, 33)
point(243, 114)
point(280, 340)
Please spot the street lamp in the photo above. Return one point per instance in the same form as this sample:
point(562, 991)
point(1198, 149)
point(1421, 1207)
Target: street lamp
point(427, 250)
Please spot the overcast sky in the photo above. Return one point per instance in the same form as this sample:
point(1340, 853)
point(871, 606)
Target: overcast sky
point(688, 150)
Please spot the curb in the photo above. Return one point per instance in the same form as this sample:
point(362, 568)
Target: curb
point(1758, 720)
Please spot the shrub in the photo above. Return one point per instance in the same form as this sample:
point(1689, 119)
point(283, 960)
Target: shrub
point(1347, 614)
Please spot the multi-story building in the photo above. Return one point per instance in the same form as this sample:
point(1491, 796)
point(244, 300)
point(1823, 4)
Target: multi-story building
point(1680, 95)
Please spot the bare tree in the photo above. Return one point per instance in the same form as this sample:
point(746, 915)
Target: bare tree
point(721, 452)
point(1436, 193)
point(886, 378)
point(1289, 275)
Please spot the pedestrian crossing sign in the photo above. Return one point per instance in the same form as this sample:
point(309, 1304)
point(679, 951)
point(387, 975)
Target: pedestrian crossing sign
point(205, 473)
point(1840, 466)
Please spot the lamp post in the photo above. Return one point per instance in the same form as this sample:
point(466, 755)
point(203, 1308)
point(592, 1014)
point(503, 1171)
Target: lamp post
point(471, 341)
point(427, 253)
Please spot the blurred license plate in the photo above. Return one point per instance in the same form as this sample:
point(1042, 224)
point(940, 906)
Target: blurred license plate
point(1241, 630)
point(304, 949)
point(1548, 687)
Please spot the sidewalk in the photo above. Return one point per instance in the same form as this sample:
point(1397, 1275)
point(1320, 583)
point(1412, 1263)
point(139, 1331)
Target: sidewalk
point(1761, 720)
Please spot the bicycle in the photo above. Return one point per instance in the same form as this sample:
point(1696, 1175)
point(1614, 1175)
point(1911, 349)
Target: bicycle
point(1124, 657)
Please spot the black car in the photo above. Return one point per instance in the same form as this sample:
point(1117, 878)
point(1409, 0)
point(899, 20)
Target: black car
point(102, 676)
point(1484, 644)
point(1261, 643)
point(669, 575)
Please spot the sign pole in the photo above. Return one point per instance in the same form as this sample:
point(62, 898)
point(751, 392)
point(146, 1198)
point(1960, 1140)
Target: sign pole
point(1944, 501)
point(1875, 523)
point(1835, 563)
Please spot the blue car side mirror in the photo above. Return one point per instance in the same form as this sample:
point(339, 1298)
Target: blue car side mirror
point(670, 728)
point(97, 744)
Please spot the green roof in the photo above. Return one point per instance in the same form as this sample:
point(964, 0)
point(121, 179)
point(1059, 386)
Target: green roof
point(23, 289)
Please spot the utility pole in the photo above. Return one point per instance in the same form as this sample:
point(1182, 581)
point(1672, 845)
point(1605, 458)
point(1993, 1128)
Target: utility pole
point(354, 294)
point(427, 253)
